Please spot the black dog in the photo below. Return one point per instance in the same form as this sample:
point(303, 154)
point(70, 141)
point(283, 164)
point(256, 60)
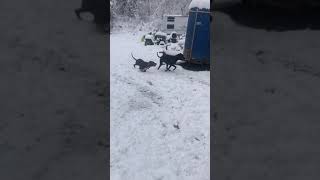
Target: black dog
point(143, 66)
point(170, 60)
point(98, 8)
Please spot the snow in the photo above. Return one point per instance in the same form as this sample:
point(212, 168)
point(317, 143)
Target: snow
point(175, 15)
point(201, 4)
point(145, 107)
point(160, 33)
point(173, 49)
point(148, 36)
point(173, 32)
point(181, 42)
point(172, 52)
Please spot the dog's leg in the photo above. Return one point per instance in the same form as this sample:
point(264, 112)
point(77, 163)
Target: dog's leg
point(168, 68)
point(160, 65)
point(174, 67)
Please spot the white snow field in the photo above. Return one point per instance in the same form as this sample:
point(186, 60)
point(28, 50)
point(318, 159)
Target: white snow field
point(160, 123)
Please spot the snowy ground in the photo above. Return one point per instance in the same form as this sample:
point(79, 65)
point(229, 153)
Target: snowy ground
point(160, 121)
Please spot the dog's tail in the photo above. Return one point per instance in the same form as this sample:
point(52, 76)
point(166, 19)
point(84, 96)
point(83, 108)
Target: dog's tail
point(133, 57)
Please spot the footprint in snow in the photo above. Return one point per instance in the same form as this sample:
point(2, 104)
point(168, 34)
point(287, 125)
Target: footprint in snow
point(150, 83)
point(176, 126)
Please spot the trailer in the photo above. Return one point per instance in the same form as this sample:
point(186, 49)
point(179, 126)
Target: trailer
point(197, 43)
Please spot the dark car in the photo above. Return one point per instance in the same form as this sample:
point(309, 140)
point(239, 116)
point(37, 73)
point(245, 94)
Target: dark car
point(287, 4)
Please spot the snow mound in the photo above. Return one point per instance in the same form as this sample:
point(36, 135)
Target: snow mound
point(159, 33)
point(172, 52)
point(148, 36)
point(174, 48)
point(181, 42)
point(173, 32)
point(201, 4)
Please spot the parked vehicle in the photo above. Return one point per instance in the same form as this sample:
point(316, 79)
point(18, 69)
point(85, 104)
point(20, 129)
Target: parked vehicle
point(148, 40)
point(160, 36)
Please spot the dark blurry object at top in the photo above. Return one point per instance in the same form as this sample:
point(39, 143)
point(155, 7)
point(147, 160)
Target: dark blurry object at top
point(287, 4)
point(265, 14)
point(98, 8)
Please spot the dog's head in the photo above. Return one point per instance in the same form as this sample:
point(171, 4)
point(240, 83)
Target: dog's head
point(151, 63)
point(180, 56)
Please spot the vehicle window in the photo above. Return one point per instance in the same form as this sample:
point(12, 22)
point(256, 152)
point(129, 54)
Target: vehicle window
point(170, 26)
point(170, 19)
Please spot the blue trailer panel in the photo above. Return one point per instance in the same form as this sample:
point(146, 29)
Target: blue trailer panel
point(197, 44)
